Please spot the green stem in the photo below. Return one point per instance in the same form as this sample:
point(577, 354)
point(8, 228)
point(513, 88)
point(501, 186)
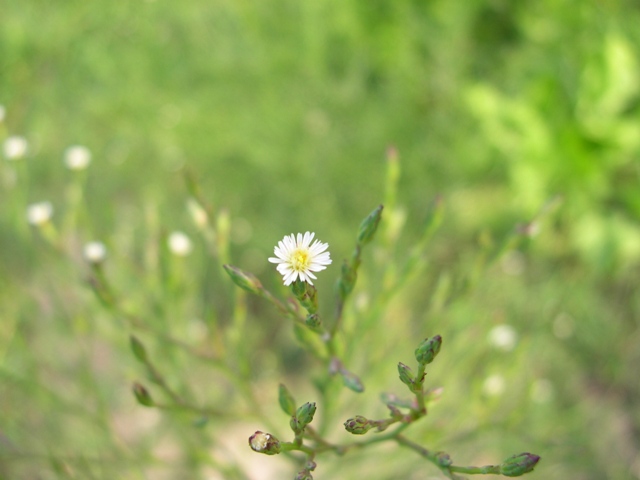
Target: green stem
point(428, 454)
point(419, 392)
point(292, 446)
point(371, 440)
point(486, 470)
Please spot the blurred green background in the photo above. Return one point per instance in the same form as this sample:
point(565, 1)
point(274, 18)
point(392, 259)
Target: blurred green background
point(283, 112)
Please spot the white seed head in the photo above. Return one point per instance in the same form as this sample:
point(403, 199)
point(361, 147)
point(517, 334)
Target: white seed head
point(77, 157)
point(503, 337)
point(179, 244)
point(39, 213)
point(94, 252)
point(15, 147)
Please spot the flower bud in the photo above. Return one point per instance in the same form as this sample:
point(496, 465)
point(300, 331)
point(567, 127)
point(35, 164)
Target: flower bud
point(198, 213)
point(306, 294)
point(313, 321)
point(138, 349)
point(305, 414)
point(369, 226)
point(428, 349)
point(347, 280)
point(443, 459)
point(406, 375)
point(264, 443)
point(351, 381)
point(519, 464)
point(142, 395)
point(244, 280)
point(358, 425)
point(287, 403)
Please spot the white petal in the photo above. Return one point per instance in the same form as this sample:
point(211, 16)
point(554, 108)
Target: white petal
point(291, 277)
point(316, 268)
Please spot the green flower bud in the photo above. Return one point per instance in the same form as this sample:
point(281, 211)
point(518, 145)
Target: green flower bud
point(351, 381)
point(347, 280)
point(406, 375)
point(264, 443)
point(428, 349)
point(305, 414)
point(443, 459)
point(306, 294)
point(312, 321)
point(287, 403)
point(142, 395)
point(369, 226)
point(358, 425)
point(138, 349)
point(519, 464)
point(244, 280)
point(305, 473)
point(394, 411)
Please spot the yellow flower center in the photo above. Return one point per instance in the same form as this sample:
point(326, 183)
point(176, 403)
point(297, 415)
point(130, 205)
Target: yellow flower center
point(300, 260)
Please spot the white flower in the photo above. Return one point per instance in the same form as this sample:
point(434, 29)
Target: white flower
point(77, 157)
point(297, 258)
point(39, 213)
point(494, 385)
point(94, 252)
point(503, 337)
point(179, 244)
point(15, 147)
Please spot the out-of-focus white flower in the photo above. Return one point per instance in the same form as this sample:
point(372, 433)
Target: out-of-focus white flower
point(179, 244)
point(39, 213)
point(494, 385)
point(297, 258)
point(94, 252)
point(3, 113)
point(503, 337)
point(15, 147)
point(542, 390)
point(77, 157)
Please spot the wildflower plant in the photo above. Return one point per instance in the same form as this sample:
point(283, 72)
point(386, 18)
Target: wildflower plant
point(163, 354)
point(296, 258)
point(299, 259)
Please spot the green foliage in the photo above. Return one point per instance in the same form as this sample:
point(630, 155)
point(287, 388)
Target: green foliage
point(279, 114)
